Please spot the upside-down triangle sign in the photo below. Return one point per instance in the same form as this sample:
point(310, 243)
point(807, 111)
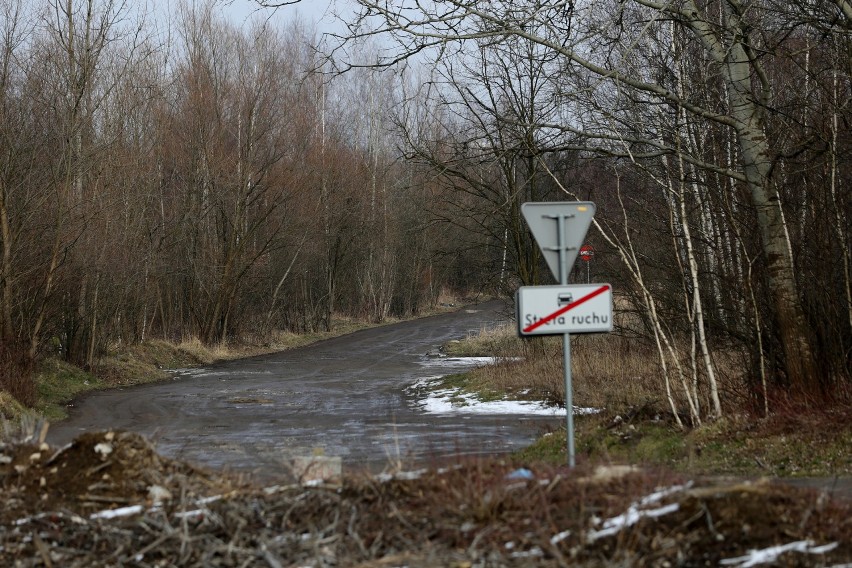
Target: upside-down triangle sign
point(544, 218)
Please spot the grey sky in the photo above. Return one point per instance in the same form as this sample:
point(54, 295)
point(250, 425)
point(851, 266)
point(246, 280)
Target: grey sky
point(311, 11)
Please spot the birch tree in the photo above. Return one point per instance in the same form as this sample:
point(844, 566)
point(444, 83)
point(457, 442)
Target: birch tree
point(478, 131)
point(732, 37)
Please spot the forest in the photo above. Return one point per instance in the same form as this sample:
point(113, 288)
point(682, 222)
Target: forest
point(183, 175)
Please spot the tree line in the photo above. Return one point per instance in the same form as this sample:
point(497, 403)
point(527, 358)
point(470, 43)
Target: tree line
point(713, 136)
point(205, 179)
point(193, 177)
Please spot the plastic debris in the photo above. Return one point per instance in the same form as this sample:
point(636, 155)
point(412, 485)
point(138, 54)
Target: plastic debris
point(521, 473)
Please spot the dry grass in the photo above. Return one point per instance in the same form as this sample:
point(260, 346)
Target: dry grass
point(607, 371)
point(614, 372)
point(499, 340)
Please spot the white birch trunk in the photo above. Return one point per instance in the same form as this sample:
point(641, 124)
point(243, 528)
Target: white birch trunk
point(739, 71)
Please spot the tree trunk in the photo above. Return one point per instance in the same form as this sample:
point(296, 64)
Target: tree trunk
point(793, 328)
point(6, 289)
point(743, 76)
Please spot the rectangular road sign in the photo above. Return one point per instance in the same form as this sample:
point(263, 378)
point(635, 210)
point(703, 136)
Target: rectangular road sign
point(556, 310)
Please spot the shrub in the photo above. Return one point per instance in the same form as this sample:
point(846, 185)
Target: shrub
point(17, 373)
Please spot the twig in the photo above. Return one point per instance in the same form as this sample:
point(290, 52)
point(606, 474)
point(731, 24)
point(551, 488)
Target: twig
point(350, 530)
point(42, 550)
point(98, 468)
point(59, 452)
point(103, 499)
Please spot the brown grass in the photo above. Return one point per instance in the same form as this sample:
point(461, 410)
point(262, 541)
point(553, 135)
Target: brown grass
point(607, 371)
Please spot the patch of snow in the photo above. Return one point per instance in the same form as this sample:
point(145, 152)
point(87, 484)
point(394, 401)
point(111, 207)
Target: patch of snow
point(206, 500)
point(192, 515)
point(440, 403)
point(534, 552)
point(771, 554)
point(658, 496)
point(637, 512)
point(103, 449)
point(191, 372)
point(120, 512)
point(631, 517)
point(158, 494)
point(557, 538)
point(452, 401)
point(73, 518)
point(460, 361)
point(401, 475)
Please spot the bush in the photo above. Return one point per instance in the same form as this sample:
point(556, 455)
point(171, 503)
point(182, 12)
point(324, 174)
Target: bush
point(17, 373)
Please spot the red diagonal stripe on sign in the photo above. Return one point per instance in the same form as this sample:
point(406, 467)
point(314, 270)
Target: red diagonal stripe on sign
point(562, 310)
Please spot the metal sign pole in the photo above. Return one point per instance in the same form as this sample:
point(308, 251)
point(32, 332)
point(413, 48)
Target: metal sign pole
point(562, 245)
point(569, 398)
point(560, 258)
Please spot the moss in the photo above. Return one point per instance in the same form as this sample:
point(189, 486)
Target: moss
point(10, 409)
point(733, 447)
point(660, 444)
point(550, 448)
point(57, 383)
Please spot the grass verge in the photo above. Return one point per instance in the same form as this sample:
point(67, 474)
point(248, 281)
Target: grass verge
point(635, 424)
point(736, 446)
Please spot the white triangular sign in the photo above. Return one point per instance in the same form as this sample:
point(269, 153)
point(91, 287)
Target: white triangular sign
point(544, 218)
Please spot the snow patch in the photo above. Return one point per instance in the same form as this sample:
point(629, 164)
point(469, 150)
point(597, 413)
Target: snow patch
point(463, 361)
point(120, 512)
point(773, 553)
point(451, 401)
point(638, 511)
point(401, 475)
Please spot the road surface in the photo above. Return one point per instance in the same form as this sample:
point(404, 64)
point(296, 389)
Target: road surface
point(350, 397)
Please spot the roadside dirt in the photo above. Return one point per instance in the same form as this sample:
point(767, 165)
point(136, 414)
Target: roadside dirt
point(108, 499)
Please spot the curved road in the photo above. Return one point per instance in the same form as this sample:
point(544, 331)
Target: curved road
point(351, 396)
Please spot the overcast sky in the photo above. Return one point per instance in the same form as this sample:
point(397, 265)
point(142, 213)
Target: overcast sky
point(311, 11)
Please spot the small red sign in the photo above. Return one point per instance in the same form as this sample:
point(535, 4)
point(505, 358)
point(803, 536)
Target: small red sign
point(587, 253)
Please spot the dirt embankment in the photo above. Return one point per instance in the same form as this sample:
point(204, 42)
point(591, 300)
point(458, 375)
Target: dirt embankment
point(108, 499)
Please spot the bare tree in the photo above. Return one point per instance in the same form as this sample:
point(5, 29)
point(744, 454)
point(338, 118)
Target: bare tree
point(732, 38)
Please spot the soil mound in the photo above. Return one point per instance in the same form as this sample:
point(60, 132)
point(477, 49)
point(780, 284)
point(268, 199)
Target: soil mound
point(96, 471)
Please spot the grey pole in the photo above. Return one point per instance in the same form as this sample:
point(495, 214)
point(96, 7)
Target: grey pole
point(569, 398)
point(562, 245)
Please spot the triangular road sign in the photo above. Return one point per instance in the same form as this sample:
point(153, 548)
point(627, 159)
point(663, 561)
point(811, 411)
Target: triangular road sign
point(544, 219)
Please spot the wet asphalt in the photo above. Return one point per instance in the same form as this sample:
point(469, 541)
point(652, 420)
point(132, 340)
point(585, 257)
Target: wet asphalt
point(353, 396)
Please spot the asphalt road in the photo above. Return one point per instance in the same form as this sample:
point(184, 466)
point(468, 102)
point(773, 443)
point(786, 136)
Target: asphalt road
point(350, 397)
